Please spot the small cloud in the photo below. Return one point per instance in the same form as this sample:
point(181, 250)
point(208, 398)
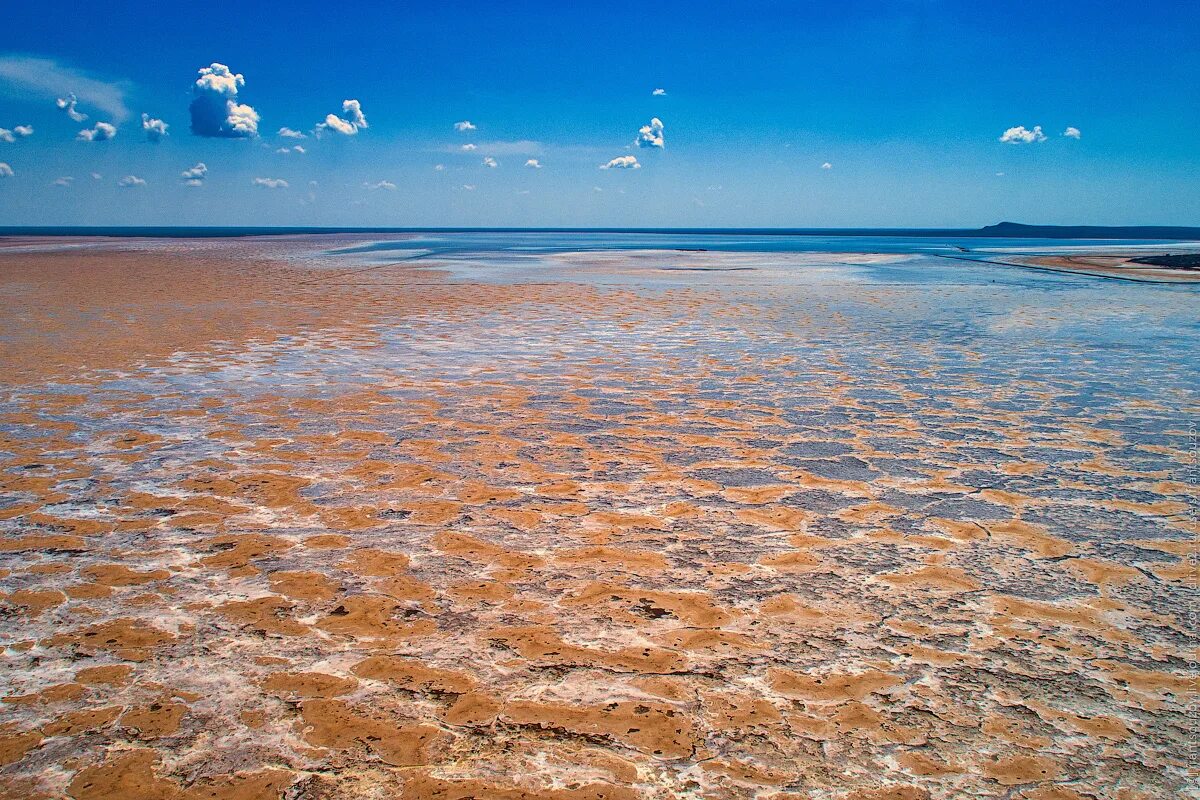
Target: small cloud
point(96, 176)
point(196, 175)
point(651, 135)
point(468, 147)
point(102, 131)
point(297, 149)
point(5, 170)
point(659, 92)
point(155, 129)
point(130, 181)
point(1071, 132)
point(439, 167)
point(34, 77)
point(999, 174)
point(216, 114)
point(597, 189)
point(288, 133)
point(388, 185)
point(20, 131)
point(69, 105)
point(65, 180)
point(622, 162)
point(533, 163)
point(465, 125)
point(1019, 135)
point(353, 120)
point(470, 187)
point(827, 165)
point(270, 183)
point(488, 161)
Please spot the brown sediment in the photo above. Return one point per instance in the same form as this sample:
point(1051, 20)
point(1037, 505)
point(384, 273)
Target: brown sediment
point(276, 533)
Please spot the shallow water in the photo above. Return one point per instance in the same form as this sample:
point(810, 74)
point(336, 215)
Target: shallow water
point(594, 520)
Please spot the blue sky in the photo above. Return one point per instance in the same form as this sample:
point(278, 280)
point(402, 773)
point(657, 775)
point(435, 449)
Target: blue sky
point(906, 102)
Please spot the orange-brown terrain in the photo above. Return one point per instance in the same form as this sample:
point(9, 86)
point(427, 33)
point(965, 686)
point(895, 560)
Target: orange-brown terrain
point(273, 526)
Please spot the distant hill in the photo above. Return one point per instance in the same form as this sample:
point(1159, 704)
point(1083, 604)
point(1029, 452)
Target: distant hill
point(1016, 230)
point(1009, 230)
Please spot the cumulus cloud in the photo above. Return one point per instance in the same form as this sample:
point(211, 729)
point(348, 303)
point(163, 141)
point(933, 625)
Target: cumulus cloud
point(270, 183)
point(622, 162)
point(349, 124)
point(533, 163)
point(216, 113)
point(28, 77)
point(488, 161)
point(102, 131)
point(1019, 135)
point(288, 133)
point(65, 180)
point(155, 129)
point(468, 147)
point(388, 185)
point(298, 149)
point(659, 92)
point(651, 135)
point(827, 165)
point(1071, 132)
point(465, 125)
point(130, 182)
point(19, 132)
point(68, 104)
point(5, 170)
point(196, 175)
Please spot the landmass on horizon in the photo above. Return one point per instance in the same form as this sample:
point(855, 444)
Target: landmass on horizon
point(1001, 230)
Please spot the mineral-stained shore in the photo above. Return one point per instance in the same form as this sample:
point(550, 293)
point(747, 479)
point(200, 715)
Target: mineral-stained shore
point(271, 529)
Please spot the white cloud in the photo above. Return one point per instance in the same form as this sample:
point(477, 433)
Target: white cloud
point(155, 129)
point(288, 133)
point(5, 170)
point(68, 104)
point(465, 125)
point(65, 180)
point(533, 163)
point(196, 175)
point(470, 187)
point(215, 111)
point(298, 149)
point(488, 161)
point(270, 183)
point(827, 165)
point(659, 92)
point(1071, 132)
point(96, 176)
point(349, 126)
point(439, 167)
point(622, 162)
point(130, 181)
point(102, 131)
point(19, 131)
point(498, 148)
point(651, 135)
point(1019, 135)
point(29, 77)
point(388, 185)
